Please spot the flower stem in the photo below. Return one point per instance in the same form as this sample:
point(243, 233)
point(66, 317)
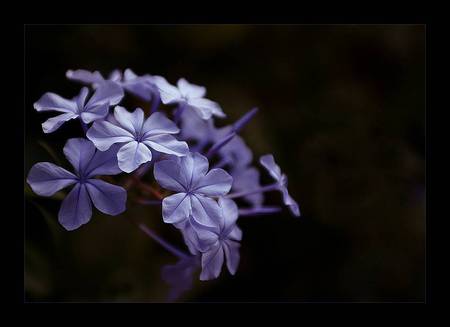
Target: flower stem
point(169, 247)
point(258, 211)
point(262, 189)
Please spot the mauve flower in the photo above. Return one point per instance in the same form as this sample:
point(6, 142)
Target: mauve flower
point(274, 170)
point(195, 187)
point(140, 86)
point(137, 136)
point(189, 96)
point(180, 276)
point(223, 244)
point(46, 179)
point(97, 107)
point(247, 178)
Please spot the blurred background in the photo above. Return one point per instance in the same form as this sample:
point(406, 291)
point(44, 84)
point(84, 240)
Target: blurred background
point(342, 108)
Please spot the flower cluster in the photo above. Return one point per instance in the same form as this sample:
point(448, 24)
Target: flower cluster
point(199, 172)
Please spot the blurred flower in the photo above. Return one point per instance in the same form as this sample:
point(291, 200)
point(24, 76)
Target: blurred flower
point(180, 276)
point(46, 179)
point(274, 170)
point(137, 137)
point(189, 96)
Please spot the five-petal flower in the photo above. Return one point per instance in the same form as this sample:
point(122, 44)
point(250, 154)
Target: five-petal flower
point(268, 162)
point(137, 137)
point(97, 107)
point(188, 95)
point(46, 179)
point(195, 187)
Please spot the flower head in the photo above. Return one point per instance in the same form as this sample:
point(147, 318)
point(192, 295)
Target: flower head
point(195, 187)
point(136, 136)
point(46, 179)
point(274, 170)
point(97, 107)
point(188, 95)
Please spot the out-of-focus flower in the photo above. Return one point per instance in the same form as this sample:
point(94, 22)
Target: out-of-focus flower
point(189, 96)
point(137, 137)
point(46, 179)
point(268, 162)
point(97, 107)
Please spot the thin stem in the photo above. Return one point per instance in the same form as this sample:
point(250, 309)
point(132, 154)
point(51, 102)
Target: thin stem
point(262, 189)
point(169, 247)
point(148, 202)
point(258, 211)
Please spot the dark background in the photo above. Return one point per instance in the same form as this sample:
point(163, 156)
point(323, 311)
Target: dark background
point(342, 108)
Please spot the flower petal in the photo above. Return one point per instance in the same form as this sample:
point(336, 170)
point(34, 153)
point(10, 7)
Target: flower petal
point(290, 202)
point(229, 215)
point(206, 212)
point(108, 198)
point(79, 152)
point(52, 124)
point(168, 92)
point(216, 182)
point(53, 102)
point(104, 163)
point(131, 121)
point(132, 155)
point(232, 255)
point(94, 113)
point(212, 262)
point(108, 92)
point(104, 134)
point(167, 174)
point(46, 179)
point(167, 144)
point(206, 108)
point(176, 208)
point(85, 76)
point(76, 209)
point(158, 123)
point(193, 167)
point(190, 90)
point(269, 163)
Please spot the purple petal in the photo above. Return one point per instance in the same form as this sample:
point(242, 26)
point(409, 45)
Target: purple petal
point(76, 209)
point(235, 234)
point(53, 102)
point(193, 167)
point(290, 202)
point(104, 134)
point(158, 123)
point(195, 128)
point(79, 152)
point(132, 155)
point(206, 108)
point(216, 182)
point(212, 262)
point(52, 124)
point(248, 179)
point(93, 113)
point(106, 93)
point(229, 215)
point(269, 163)
point(46, 179)
point(108, 198)
point(206, 212)
point(167, 144)
point(189, 90)
point(131, 121)
point(232, 255)
point(168, 92)
point(104, 163)
point(85, 76)
point(168, 174)
point(176, 208)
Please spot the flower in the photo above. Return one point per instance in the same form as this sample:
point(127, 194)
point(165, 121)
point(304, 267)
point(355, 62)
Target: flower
point(189, 177)
point(137, 137)
point(46, 179)
point(248, 179)
point(274, 170)
point(222, 243)
point(140, 86)
point(97, 107)
point(189, 96)
point(180, 276)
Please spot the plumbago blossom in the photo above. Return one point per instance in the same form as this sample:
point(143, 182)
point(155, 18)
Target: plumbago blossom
point(200, 175)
